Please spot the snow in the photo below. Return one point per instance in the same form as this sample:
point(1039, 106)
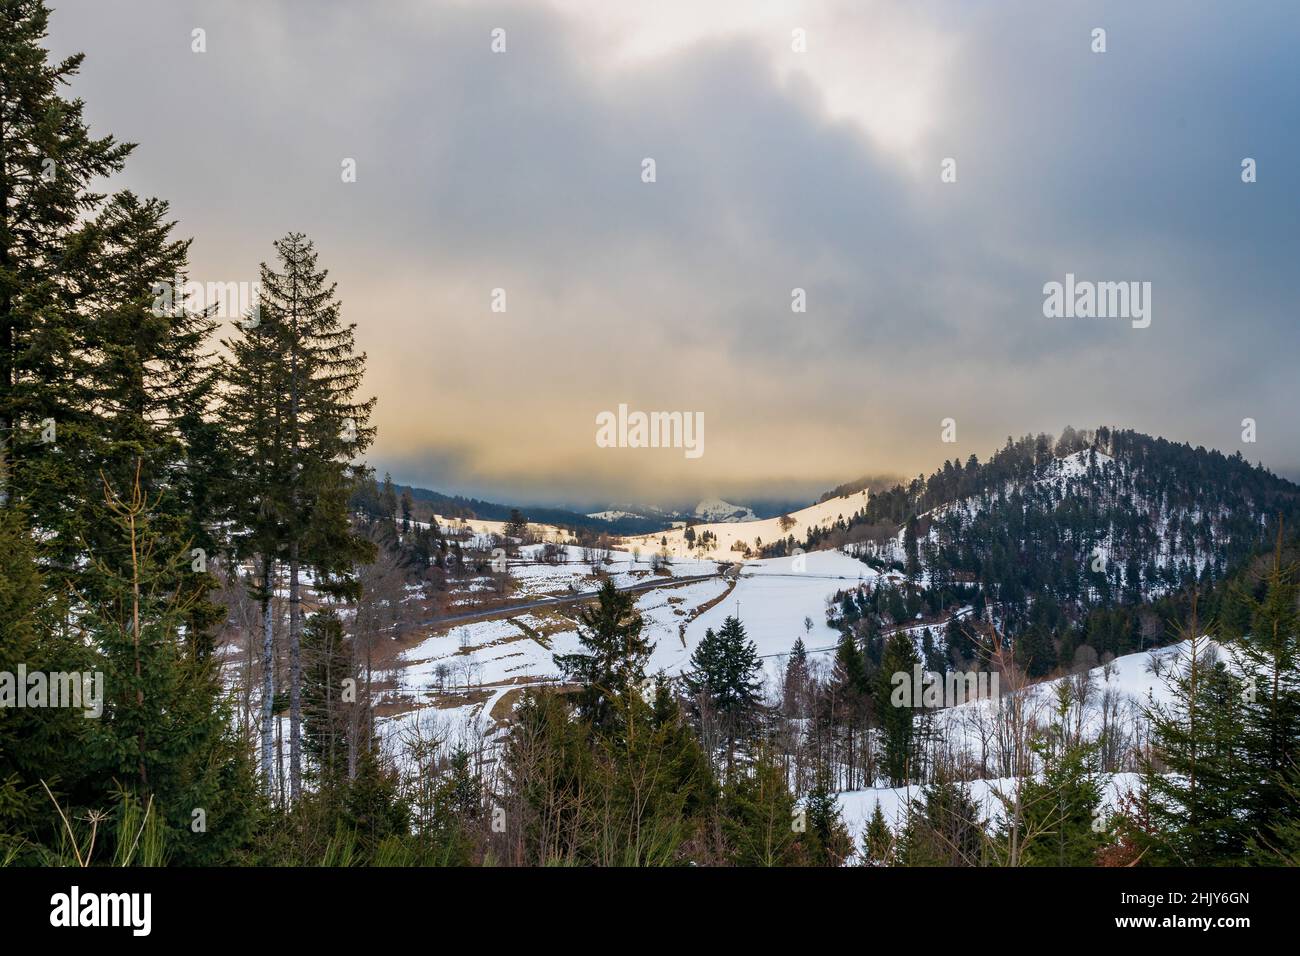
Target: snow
point(821, 515)
point(715, 509)
point(1063, 477)
point(497, 656)
point(1132, 680)
point(575, 574)
point(481, 530)
point(773, 596)
point(857, 806)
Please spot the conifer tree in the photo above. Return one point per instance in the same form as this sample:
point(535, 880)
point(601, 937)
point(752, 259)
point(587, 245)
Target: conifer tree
point(943, 828)
point(912, 565)
point(794, 692)
point(1195, 782)
point(457, 807)
point(616, 654)
point(299, 362)
point(407, 506)
point(759, 822)
point(877, 840)
point(326, 429)
point(165, 733)
point(1058, 809)
point(1282, 844)
point(831, 843)
point(388, 498)
point(724, 668)
point(517, 526)
point(1268, 660)
point(42, 744)
point(151, 386)
point(896, 724)
point(47, 164)
point(723, 679)
point(849, 673)
point(329, 700)
point(252, 489)
point(653, 782)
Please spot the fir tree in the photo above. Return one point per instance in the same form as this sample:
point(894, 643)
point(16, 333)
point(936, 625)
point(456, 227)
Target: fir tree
point(329, 697)
point(943, 828)
point(1195, 781)
point(1282, 844)
point(724, 668)
point(723, 679)
point(849, 673)
point(407, 505)
point(326, 429)
point(48, 161)
point(759, 822)
point(831, 843)
point(794, 693)
point(457, 807)
point(877, 840)
point(299, 361)
point(150, 387)
point(1059, 807)
point(896, 725)
point(1268, 660)
point(165, 733)
point(36, 744)
point(912, 565)
point(616, 654)
point(517, 526)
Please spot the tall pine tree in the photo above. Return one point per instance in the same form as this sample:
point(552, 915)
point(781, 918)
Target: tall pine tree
point(299, 363)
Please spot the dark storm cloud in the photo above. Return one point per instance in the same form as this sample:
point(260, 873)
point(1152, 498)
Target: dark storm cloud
point(925, 299)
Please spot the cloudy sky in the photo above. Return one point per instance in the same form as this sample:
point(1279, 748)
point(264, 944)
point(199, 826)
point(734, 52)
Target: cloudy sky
point(776, 169)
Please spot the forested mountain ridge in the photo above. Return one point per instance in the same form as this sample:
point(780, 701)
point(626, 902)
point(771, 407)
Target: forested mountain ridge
point(460, 506)
point(1110, 513)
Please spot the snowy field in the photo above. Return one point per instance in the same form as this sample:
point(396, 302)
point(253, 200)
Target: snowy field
point(774, 596)
point(573, 573)
point(486, 660)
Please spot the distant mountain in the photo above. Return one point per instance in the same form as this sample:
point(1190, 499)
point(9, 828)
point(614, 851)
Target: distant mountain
point(709, 510)
point(613, 515)
point(611, 522)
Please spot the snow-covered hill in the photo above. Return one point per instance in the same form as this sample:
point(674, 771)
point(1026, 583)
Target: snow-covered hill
point(1089, 477)
point(614, 515)
point(1111, 696)
point(715, 509)
point(749, 532)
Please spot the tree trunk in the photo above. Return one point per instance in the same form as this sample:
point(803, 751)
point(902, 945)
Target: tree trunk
point(8, 375)
point(295, 675)
point(268, 682)
point(295, 598)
